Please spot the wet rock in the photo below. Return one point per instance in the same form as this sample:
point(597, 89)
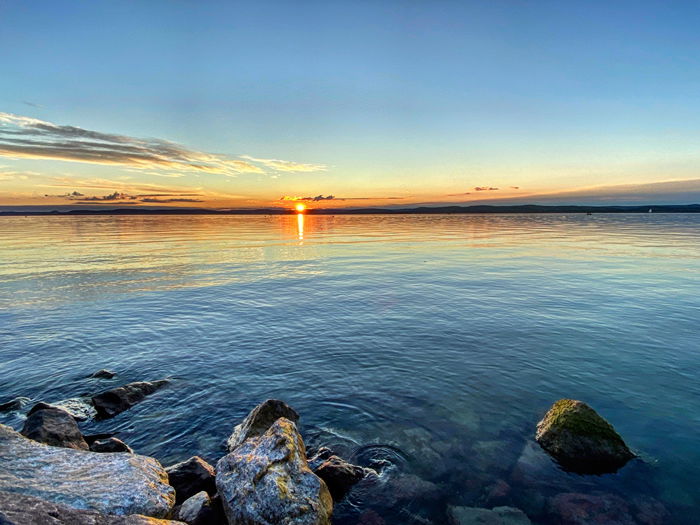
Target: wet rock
point(497, 495)
point(370, 517)
point(115, 401)
point(104, 374)
point(267, 480)
point(111, 444)
point(14, 404)
point(479, 516)
point(582, 509)
point(54, 427)
point(581, 440)
point(20, 509)
point(91, 438)
point(109, 483)
point(200, 509)
point(338, 474)
point(81, 408)
point(190, 477)
point(401, 490)
point(259, 420)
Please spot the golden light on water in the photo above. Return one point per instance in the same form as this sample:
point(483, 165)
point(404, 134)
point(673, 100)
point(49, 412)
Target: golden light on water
point(300, 208)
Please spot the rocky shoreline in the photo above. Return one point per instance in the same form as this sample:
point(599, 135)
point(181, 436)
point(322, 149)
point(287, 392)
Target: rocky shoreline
point(51, 473)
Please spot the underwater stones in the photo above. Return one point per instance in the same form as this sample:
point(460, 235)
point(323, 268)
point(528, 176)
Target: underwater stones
point(259, 420)
point(581, 440)
point(103, 374)
point(20, 509)
point(108, 483)
point(582, 509)
point(81, 408)
point(54, 427)
point(267, 480)
point(479, 516)
point(14, 404)
point(110, 444)
point(116, 400)
point(338, 474)
point(190, 477)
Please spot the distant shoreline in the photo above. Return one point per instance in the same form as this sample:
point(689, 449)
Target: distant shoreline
point(422, 210)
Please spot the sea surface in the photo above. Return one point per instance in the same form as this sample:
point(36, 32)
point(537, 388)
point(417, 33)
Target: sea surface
point(429, 346)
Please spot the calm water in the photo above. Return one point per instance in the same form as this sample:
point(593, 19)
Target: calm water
point(433, 342)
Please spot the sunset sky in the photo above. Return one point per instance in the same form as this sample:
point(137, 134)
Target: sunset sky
point(256, 104)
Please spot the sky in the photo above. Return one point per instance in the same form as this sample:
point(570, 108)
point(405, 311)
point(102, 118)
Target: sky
point(353, 104)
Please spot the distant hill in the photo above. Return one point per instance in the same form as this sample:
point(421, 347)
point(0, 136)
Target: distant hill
point(480, 209)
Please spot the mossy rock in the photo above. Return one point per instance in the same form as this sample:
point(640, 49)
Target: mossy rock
point(581, 440)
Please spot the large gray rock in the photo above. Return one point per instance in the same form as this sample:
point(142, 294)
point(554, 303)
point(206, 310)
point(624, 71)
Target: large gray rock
point(259, 420)
point(267, 480)
point(190, 477)
point(53, 426)
point(580, 440)
point(478, 516)
point(115, 401)
point(20, 509)
point(108, 483)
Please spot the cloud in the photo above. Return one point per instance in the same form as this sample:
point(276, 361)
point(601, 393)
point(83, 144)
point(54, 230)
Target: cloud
point(484, 188)
point(459, 194)
point(171, 200)
point(314, 199)
point(286, 165)
point(332, 197)
point(25, 137)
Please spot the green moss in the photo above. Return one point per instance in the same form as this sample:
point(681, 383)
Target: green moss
point(580, 419)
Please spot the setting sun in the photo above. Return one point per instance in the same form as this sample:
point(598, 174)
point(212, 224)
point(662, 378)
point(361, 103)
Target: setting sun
point(300, 208)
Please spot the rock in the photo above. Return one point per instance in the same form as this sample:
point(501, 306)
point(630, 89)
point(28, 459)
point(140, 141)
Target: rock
point(267, 480)
point(200, 509)
point(580, 440)
point(478, 516)
point(338, 474)
point(581, 509)
point(104, 374)
point(190, 477)
point(81, 408)
point(259, 420)
point(111, 444)
point(14, 404)
point(54, 427)
point(109, 483)
point(115, 401)
point(497, 494)
point(91, 438)
point(20, 509)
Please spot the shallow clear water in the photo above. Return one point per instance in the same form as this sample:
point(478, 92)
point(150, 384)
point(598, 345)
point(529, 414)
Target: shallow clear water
point(434, 342)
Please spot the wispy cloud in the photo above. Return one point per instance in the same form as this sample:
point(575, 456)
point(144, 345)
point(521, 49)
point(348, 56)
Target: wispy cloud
point(334, 198)
point(485, 188)
point(286, 165)
point(25, 137)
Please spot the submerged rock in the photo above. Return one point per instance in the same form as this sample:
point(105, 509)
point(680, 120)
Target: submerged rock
point(338, 474)
point(581, 440)
point(259, 420)
point(478, 516)
point(109, 483)
point(104, 374)
point(267, 480)
point(14, 404)
point(190, 477)
point(110, 444)
point(20, 509)
point(115, 401)
point(582, 509)
point(54, 427)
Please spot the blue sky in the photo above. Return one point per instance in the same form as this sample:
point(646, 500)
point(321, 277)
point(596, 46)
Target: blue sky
point(419, 101)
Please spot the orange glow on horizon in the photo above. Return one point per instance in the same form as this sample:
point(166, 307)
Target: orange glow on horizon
point(300, 208)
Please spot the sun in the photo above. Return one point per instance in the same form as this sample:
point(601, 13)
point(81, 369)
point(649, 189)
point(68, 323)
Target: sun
point(300, 208)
